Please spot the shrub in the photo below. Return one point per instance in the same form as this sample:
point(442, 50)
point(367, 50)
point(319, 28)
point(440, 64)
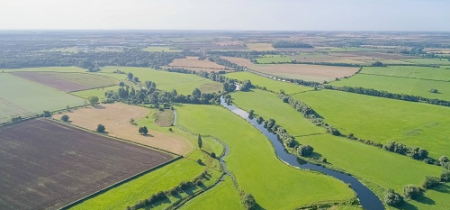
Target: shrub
point(412, 192)
point(213, 155)
point(101, 128)
point(170, 129)
point(46, 114)
point(445, 176)
point(305, 150)
point(248, 200)
point(65, 118)
point(393, 199)
point(430, 182)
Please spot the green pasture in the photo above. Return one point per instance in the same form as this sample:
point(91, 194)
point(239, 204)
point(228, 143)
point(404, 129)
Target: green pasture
point(383, 120)
point(277, 185)
point(435, 199)
point(274, 59)
point(167, 81)
point(49, 69)
point(413, 72)
point(160, 49)
point(417, 87)
point(270, 84)
point(20, 97)
point(223, 196)
point(99, 92)
point(434, 61)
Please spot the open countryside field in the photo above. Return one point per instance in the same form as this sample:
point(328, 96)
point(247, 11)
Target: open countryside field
point(251, 153)
point(68, 82)
point(167, 81)
point(435, 61)
point(267, 59)
point(270, 84)
point(160, 49)
point(413, 72)
point(260, 46)
point(315, 73)
point(48, 69)
point(99, 92)
point(417, 87)
point(383, 120)
point(193, 63)
point(66, 164)
point(116, 118)
point(20, 97)
point(351, 156)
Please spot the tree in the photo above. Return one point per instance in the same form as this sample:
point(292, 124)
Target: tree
point(412, 192)
point(445, 176)
point(130, 76)
point(65, 118)
point(443, 160)
point(305, 150)
point(248, 200)
point(47, 114)
point(197, 93)
point(101, 128)
point(393, 199)
point(430, 182)
point(121, 84)
point(136, 79)
point(434, 91)
point(143, 130)
point(93, 100)
point(200, 142)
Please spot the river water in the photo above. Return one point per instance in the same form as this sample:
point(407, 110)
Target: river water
point(367, 198)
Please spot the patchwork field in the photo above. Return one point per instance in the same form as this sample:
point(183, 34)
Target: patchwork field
point(270, 84)
point(68, 82)
point(267, 59)
point(167, 81)
point(351, 156)
point(260, 46)
point(193, 63)
point(251, 153)
point(46, 165)
point(384, 120)
point(21, 97)
point(116, 118)
point(315, 73)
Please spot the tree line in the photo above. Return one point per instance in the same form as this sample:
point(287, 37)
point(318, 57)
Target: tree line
point(291, 44)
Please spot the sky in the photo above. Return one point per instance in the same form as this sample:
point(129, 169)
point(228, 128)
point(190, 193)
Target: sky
point(266, 15)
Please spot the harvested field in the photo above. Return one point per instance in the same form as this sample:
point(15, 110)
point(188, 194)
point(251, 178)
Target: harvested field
point(68, 82)
point(260, 47)
point(47, 165)
point(193, 63)
point(164, 118)
point(315, 73)
point(116, 118)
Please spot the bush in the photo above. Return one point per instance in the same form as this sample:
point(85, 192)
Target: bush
point(65, 118)
point(46, 114)
point(248, 200)
point(430, 182)
point(170, 129)
point(101, 128)
point(412, 192)
point(305, 150)
point(445, 176)
point(393, 199)
point(213, 155)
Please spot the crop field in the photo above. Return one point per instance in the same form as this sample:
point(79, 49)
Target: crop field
point(251, 153)
point(25, 98)
point(417, 87)
point(351, 156)
point(48, 69)
point(435, 61)
point(68, 82)
point(270, 84)
point(383, 120)
point(260, 46)
point(161, 49)
point(99, 92)
point(46, 165)
point(318, 57)
point(167, 81)
point(193, 63)
point(116, 118)
point(266, 59)
point(315, 73)
point(412, 72)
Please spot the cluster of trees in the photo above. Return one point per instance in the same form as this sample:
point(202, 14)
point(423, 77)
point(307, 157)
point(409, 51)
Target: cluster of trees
point(414, 152)
point(247, 200)
point(305, 150)
point(160, 196)
point(226, 63)
point(246, 85)
point(282, 134)
point(393, 199)
point(290, 44)
point(385, 94)
point(378, 64)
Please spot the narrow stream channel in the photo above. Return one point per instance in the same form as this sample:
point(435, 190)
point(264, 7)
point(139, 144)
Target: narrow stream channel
point(367, 198)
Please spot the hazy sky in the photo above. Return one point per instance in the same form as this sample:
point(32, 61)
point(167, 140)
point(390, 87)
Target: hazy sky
point(392, 15)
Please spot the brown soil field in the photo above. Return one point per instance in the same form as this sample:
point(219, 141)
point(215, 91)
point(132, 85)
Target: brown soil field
point(47, 165)
point(116, 118)
point(67, 82)
point(164, 118)
point(316, 73)
point(193, 63)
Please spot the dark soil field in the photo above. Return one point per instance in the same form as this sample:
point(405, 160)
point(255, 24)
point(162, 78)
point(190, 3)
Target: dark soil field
point(47, 165)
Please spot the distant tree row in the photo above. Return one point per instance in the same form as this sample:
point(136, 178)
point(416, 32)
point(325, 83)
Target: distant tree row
point(226, 63)
point(291, 44)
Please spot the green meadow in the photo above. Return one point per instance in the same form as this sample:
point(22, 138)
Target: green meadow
point(413, 72)
point(383, 120)
point(277, 186)
point(273, 59)
point(270, 84)
point(435, 61)
point(167, 81)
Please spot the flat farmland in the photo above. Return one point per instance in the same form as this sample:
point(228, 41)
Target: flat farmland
point(47, 165)
point(48, 69)
point(193, 63)
point(20, 97)
point(116, 118)
point(260, 46)
point(413, 72)
point(68, 82)
point(315, 73)
point(160, 49)
point(434, 61)
point(266, 59)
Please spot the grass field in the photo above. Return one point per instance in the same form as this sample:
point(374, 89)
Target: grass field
point(193, 63)
point(167, 81)
point(160, 49)
point(99, 92)
point(417, 87)
point(274, 59)
point(22, 97)
point(260, 46)
point(270, 84)
point(374, 166)
point(48, 69)
point(164, 118)
point(413, 72)
point(251, 153)
point(116, 118)
point(384, 120)
point(436, 61)
point(68, 81)
point(46, 165)
point(224, 196)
